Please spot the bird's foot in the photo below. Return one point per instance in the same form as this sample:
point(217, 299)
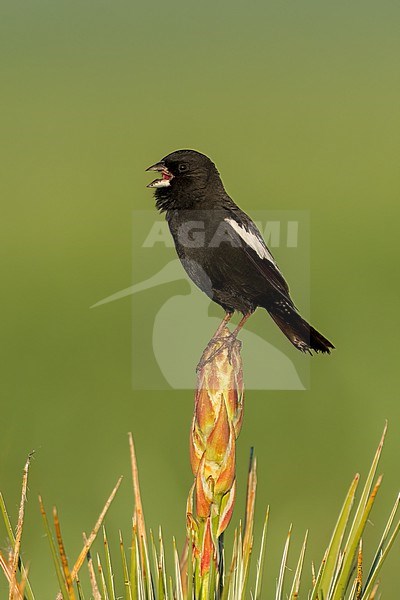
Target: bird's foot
point(225, 342)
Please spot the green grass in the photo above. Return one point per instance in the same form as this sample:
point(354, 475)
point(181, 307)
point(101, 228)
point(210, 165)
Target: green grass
point(142, 573)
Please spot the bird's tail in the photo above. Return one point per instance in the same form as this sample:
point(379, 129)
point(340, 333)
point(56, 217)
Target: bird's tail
point(300, 333)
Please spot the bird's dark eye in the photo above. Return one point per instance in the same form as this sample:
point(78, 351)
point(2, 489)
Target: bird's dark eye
point(182, 168)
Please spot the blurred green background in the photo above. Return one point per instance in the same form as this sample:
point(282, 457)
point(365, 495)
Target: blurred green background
point(297, 103)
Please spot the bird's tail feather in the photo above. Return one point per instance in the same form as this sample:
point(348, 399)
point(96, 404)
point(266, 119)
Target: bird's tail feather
point(300, 333)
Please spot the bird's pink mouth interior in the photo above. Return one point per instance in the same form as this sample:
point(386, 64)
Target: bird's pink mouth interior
point(166, 175)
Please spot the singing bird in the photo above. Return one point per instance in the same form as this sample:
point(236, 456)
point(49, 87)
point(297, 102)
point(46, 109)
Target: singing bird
point(222, 250)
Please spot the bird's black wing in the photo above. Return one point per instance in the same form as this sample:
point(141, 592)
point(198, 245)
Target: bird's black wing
point(244, 232)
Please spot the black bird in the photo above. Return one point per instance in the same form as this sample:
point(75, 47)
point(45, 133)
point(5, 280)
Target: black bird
point(222, 250)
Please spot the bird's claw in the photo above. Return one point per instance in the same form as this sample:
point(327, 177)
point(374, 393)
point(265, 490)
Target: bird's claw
point(227, 342)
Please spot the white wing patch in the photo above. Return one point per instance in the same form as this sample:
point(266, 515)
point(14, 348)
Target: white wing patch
point(252, 240)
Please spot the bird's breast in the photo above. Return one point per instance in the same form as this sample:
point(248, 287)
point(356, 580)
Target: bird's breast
point(194, 228)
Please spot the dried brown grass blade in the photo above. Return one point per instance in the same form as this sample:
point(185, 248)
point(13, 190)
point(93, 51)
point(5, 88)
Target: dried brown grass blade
point(24, 579)
point(359, 571)
point(250, 504)
point(92, 575)
point(89, 541)
point(63, 556)
point(6, 568)
point(138, 514)
point(18, 533)
point(14, 591)
point(374, 592)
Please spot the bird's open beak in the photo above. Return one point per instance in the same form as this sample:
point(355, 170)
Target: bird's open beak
point(166, 175)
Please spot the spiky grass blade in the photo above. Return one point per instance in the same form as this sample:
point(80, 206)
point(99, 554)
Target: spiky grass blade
point(333, 551)
point(92, 576)
point(139, 522)
point(294, 592)
point(104, 591)
point(249, 520)
point(141, 589)
point(155, 560)
point(7, 522)
point(358, 582)
point(382, 542)
point(282, 570)
point(147, 578)
point(20, 525)
point(374, 592)
point(357, 527)
point(63, 556)
point(15, 592)
point(359, 516)
point(178, 581)
point(81, 595)
point(317, 579)
point(183, 563)
point(161, 590)
point(261, 559)
point(127, 583)
point(11, 537)
point(94, 532)
point(22, 586)
point(239, 565)
point(162, 567)
point(229, 579)
point(109, 569)
point(134, 566)
point(189, 574)
point(352, 594)
point(367, 594)
point(53, 551)
point(352, 545)
point(138, 511)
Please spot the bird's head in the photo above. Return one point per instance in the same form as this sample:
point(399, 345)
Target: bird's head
point(184, 169)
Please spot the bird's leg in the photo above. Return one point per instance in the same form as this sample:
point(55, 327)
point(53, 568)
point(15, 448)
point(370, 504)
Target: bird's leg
point(228, 316)
point(241, 323)
point(228, 341)
point(234, 335)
